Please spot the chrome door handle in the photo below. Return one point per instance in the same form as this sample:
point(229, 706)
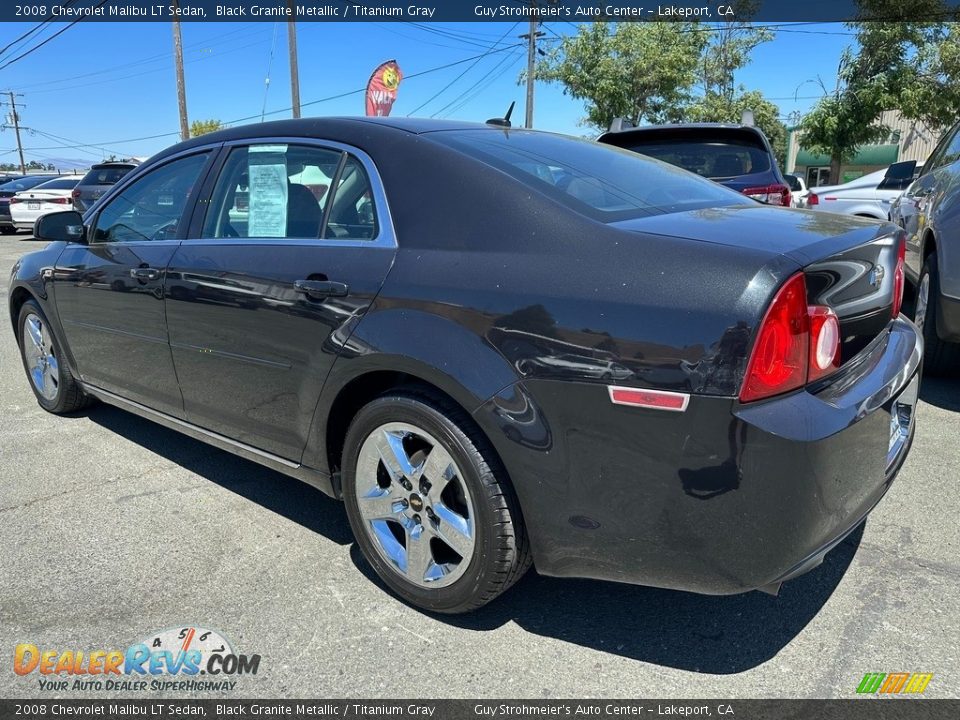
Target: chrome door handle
point(144, 273)
point(321, 288)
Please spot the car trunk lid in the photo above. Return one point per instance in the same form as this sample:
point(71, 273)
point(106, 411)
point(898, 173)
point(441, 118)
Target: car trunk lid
point(849, 263)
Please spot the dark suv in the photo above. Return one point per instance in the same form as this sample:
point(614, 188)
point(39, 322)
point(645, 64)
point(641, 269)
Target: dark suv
point(10, 188)
point(95, 183)
point(737, 156)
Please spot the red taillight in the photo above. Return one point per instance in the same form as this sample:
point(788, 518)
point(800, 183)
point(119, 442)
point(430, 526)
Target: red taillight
point(898, 279)
point(812, 200)
point(15, 200)
point(779, 360)
point(824, 342)
point(796, 344)
point(60, 200)
point(75, 194)
point(770, 194)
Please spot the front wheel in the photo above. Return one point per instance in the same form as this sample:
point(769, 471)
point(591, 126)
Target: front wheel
point(50, 378)
point(939, 357)
point(430, 505)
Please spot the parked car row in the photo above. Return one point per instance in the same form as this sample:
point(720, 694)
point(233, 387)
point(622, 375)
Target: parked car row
point(24, 198)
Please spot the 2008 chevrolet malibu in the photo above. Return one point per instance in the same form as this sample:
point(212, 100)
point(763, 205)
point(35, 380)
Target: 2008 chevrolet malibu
point(499, 347)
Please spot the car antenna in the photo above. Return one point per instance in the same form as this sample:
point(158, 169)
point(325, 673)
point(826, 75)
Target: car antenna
point(503, 122)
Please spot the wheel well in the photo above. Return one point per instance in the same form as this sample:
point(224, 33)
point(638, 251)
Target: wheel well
point(929, 246)
point(360, 391)
point(17, 299)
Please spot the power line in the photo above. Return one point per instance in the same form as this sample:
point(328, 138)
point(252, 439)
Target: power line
point(35, 28)
point(59, 32)
point(100, 145)
point(477, 60)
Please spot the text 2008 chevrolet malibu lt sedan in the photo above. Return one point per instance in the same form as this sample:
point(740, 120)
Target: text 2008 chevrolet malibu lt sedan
point(499, 347)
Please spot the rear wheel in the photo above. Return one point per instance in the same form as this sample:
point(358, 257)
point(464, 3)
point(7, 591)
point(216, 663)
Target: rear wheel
point(429, 504)
point(50, 379)
point(7, 230)
point(939, 357)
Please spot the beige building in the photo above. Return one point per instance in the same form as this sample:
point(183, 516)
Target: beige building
point(907, 140)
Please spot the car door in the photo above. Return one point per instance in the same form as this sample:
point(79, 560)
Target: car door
point(110, 292)
point(289, 251)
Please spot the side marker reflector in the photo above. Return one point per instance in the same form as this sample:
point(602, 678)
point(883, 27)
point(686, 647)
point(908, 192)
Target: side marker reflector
point(655, 399)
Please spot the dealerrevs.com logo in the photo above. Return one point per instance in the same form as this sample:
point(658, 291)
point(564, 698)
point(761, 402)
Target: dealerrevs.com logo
point(172, 659)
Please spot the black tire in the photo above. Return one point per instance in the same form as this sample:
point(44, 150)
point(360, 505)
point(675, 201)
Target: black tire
point(939, 357)
point(501, 552)
point(7, 230)
point(68, 397)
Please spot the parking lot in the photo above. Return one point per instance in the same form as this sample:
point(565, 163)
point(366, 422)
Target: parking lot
point(114, 528)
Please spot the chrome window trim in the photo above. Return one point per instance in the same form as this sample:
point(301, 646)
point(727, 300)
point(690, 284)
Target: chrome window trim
point(386, 235)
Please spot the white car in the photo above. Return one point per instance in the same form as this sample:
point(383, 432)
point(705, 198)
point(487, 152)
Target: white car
point(798, 190)
point(868, 196)
point(53, 195)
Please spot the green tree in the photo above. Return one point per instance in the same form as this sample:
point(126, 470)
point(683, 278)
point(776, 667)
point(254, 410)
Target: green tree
point(891, 69)
point(202, 127)
point(635, 70)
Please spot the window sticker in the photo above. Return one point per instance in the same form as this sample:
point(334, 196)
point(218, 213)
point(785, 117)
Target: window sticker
point(267, 191)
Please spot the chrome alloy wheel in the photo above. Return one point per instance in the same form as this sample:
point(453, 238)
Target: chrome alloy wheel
point(923, 301)
point(415, 505)
point(41, 362)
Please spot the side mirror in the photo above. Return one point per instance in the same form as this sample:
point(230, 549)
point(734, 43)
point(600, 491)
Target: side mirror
point(66, 226)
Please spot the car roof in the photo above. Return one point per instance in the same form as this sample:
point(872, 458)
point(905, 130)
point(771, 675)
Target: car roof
point(331, 128)
point(114, 163)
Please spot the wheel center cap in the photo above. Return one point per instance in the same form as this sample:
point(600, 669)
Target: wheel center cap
point(416, 503)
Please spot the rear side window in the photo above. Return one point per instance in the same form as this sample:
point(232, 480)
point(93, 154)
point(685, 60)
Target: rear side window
point(105, 176)
point(597, 180)
point(291, 191)
point(712, 159)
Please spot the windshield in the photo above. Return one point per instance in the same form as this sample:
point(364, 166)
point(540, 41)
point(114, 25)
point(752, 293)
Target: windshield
point(707, 158)
point(600, 181)
point(105, 176)
point(25, 183)
point(59, 184)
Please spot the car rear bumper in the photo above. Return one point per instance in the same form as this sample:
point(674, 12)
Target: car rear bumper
point(719, 499)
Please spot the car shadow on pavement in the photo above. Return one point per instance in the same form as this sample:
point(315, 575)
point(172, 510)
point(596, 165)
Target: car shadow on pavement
point(942, 392)
point(700, 633)
point(286, 496)
point(719, 635)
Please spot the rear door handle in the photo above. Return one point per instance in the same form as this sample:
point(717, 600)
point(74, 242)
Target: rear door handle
point(321, 288)
point(144, 273)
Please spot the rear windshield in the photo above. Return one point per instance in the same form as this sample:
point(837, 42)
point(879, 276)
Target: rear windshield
point(105, 176)
point(793, 182)
point(24, 183)
point(59, 184)
point(710, 154)
point(597, 180)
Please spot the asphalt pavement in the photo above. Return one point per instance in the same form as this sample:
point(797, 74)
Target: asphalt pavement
point(113, 528)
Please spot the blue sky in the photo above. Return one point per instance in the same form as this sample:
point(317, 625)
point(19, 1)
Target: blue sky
point(103, 84)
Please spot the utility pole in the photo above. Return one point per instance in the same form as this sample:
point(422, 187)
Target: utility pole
point(294, 66)
point(16, 127)
point(181, 86)
point(531, 38)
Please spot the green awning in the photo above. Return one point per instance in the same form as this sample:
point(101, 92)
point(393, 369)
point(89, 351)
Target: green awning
point(866, 155)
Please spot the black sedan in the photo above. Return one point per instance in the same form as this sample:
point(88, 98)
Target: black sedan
point(499, 347)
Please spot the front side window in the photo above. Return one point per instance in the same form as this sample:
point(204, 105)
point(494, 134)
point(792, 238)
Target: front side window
point(285, 191)
point(151, 207)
